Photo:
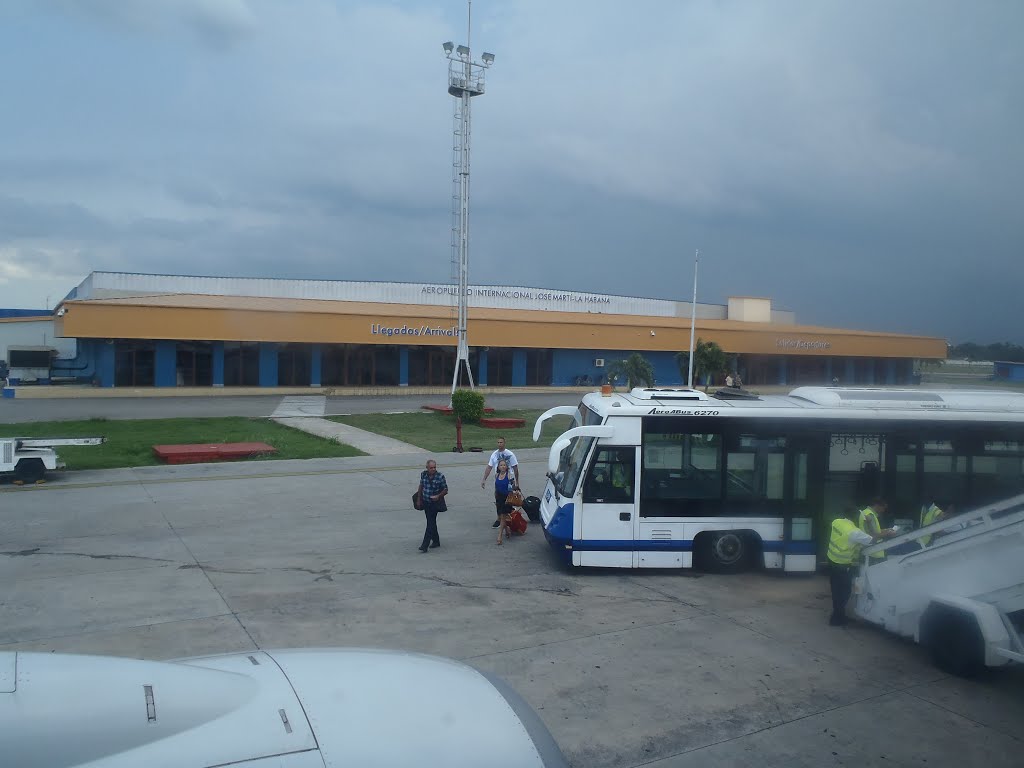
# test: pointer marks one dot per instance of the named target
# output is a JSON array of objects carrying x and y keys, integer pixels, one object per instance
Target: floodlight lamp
[
  {"x": 488, "y": 58},
  {"x": 449, "y": 47},
  {"x": 462, "y": 50}
]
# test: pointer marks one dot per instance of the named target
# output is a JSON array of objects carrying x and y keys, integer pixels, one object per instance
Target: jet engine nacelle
[{"x": 286, "y": 709}]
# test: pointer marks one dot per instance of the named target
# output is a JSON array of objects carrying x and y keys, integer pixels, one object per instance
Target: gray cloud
[
  {"x": 857, "y": 163},
  {"x": 216, "y": 22},
  {"x": 21, "y": 219}
]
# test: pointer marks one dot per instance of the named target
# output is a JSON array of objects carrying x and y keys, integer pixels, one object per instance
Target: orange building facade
[{"x": 153, "y": 330}]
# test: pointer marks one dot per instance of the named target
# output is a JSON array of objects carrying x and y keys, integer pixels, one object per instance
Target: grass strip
[{"x": 130, "y": 442}]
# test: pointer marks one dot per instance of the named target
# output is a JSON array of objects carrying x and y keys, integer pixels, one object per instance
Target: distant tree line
[{"x": 1003, "y": 350}]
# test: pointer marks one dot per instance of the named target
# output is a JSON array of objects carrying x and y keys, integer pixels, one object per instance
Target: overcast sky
[{"x": 860, "y": 163}]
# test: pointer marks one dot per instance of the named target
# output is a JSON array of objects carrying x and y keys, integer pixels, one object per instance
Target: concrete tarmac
[{"x": 627, "y": 668}]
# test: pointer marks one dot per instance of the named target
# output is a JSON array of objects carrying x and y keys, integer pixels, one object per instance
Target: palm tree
[
  {"x": 635, "y": 369},
  {"x": 709, "y": 360}
]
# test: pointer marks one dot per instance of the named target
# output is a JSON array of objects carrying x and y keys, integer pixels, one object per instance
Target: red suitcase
[{"x": 517, "y": 522}]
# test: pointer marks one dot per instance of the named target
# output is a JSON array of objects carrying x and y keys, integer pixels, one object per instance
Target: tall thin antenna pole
[
  {"x": 465, "y": 80},
  {"x": 693, "y": 318}
]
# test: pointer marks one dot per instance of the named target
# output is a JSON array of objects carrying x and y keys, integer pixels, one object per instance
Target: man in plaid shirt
[{"x": 433, "y": 489}]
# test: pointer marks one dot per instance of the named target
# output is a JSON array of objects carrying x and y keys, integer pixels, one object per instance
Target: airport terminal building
[{"x": 141, "y": 330}]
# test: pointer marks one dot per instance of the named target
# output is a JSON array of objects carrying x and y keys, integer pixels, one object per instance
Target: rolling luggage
[
  {"x": 531, "y": 505},
  {"x": 517, "y": 522}
]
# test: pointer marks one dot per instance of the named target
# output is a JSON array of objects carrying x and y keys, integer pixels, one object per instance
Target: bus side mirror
[{"x": 555, "y": 453}]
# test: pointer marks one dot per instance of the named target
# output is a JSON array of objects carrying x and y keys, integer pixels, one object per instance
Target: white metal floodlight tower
[{"x": 465, "y": 80}]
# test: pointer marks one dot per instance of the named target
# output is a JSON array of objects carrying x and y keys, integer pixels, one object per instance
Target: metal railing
[{"x": 989, "y": 517}]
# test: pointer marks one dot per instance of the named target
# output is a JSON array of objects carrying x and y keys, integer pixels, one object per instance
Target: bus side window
[
  {"x": 755, "y": 467},
  {"x": 610, "y": 477}
]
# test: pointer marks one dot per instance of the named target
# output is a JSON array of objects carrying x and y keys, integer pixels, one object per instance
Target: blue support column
[
  {"x": 166, "y": 364},
  {"x": 218, "y": 363},
  {"x": 268, "y": 364},
  {"x": 890, "y": 371},
  {"x": 315, "y": 364},
  {"x": 828, "y": 371},
  {"x": 519, "y": 368},
  {"x": 851, "y": 372},
  {"x": 481, "y": 373},
  {"x": 105, "y": 364},
  {"x": 783, "y": 369},
  {"x": 403, "y": 366}
]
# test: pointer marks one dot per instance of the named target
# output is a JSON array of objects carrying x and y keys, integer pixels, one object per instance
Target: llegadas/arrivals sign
[
  {"x": 802, "y": 344},
  {"x": 380, "y": 329}
]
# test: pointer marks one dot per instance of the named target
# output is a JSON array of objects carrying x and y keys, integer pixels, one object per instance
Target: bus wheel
[
  {"x": 953, "y": 640},
  {"x": 725, "y": 551},
  {"x": 29, "y": 470}
]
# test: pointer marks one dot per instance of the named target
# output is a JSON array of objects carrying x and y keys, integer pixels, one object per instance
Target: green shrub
[{"x": 468, "y": 405}]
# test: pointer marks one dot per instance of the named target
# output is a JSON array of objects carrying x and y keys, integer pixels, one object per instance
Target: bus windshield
[{"x": 570, "y": 463}]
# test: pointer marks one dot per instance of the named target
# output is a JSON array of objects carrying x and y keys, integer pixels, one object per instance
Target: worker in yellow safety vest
[
  {"x": 870, "y": 524},
  {"x": 934, "y": 513},
  {"x": 844, "y": 546}
]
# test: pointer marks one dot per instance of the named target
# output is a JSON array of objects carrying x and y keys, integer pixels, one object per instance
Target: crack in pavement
[
  {"x": 321, "y": 575},
  {"x": 818, "y": 655},
  {"x": 807, "y": 716},
  {"x": 667, "y": 595},
  {"x": 560, "y": 591},
  {"x": 770, "y": 694},
  {"x": 39, "y": 551},
  {"x": 210, "y": 568},
  {"x": 328, "y": 574},
  {"x": 953, "y": 712},
  {"x": 705, "y": 610}
]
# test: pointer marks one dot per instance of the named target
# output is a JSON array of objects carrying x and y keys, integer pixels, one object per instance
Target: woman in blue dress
[{"x": 504, "y": 483}]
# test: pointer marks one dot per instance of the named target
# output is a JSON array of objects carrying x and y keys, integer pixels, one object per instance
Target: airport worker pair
[{"x": 845, "y": 542}]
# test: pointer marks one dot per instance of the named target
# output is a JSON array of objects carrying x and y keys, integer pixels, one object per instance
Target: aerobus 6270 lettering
[{"x": 679, "y": 412}]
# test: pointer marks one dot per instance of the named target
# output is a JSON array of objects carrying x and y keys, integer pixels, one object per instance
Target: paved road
[
  {"x": 652, "y": 668},
  {"x": 14, "y": 411}
]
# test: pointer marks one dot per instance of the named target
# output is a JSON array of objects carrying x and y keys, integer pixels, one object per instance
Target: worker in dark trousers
[{"x": 844, "y": 546}]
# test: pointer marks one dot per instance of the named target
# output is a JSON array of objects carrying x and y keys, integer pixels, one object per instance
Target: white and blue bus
[{"x": 663, "y": 478}]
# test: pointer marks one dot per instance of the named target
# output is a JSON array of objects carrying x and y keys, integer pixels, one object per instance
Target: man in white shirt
[{"x": 513, "y": 469}]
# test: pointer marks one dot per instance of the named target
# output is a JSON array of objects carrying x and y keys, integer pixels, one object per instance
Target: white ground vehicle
[
  {"x": 29, "y": 365},
  {"x": 670, "y": 478},
  {"x": 286, "y": 709},
  {"x": 961, "y": 596},
  {"x": 29, "y": 457}
]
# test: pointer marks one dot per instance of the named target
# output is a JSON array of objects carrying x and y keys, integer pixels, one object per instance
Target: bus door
[
  {"x": 853, "y": 474},
  {"x": 805, "y": 495},
  {"x": 609, "y": 519}
]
